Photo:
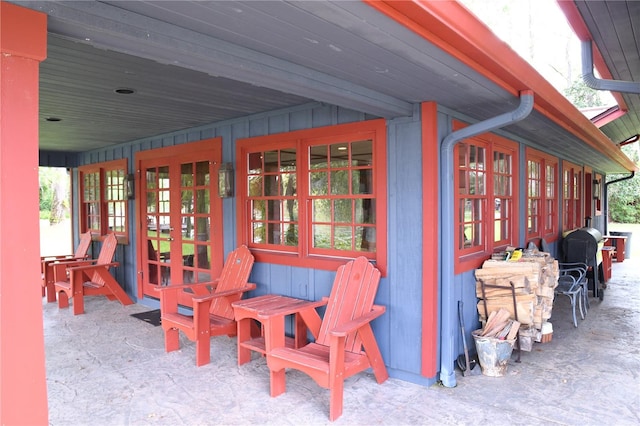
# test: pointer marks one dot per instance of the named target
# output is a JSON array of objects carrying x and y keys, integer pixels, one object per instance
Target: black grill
[{"x": 584, "y": 245}]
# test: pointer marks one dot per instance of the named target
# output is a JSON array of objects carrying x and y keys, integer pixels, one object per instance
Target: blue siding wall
[{"x": 399, "y": 331}]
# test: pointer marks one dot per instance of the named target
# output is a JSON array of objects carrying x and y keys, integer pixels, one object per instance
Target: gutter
[
  {"x": 599, "y": 84},
  {"x": 448, "y": 306}
]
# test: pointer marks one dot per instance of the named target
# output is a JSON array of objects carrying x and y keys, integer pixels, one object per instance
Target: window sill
[{"x": 329, "y": 263}]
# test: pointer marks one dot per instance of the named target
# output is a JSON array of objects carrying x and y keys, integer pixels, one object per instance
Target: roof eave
[{"x": 453, "y": 28}]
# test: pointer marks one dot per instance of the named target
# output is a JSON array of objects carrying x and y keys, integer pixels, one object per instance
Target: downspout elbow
[{"x": 600, "y": 84}]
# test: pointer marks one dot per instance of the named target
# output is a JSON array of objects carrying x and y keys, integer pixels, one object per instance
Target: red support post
[{"x": 23, "y": 388}]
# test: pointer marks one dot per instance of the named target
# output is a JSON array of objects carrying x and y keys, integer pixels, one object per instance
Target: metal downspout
[
  {"x": 606, "y": 197},
  {"x": 599, "y": 84},
  {"x": 449, "y": 326}
]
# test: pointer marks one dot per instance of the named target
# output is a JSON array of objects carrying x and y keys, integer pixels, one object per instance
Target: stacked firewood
[
  {"x": 500, "y": 326},
  {"x": 533, "y": 278}
]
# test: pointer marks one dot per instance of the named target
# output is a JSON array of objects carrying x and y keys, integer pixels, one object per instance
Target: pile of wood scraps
[{"x": 500, "y": 326}]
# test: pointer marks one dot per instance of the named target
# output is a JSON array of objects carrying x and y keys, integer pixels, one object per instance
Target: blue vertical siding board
[
  {"x": 278, "y": 124},
  {"x": 382, "y": 325},
  {"x": 299, "y": 120},
  {"x": 180, "y": 139},
  {"x": 194, "y": 136},
  {"x": 280, "y": 279},
  {"x": 300, "y": 282},
  {"x": 260, "y": 276},
  {"x": 348, "y": 116},
  {"x": 159, "y": 143},
  {"x": 322, "y": 116},
  {"x": 404, "y": 306},
  {"x": 228, "y": 144},
  {"x": 240, "y": 130},
  {"x": 322, "y": 283},
  {"x": 208, "y": 133},
  {"x": 258, "y": 127}
]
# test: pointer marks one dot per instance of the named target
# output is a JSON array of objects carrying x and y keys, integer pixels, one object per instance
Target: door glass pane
[
  {"x": 188, "y": 261},
  {"x": 339, "y": 155},
  {"x": 202, "y": 173},
  {"x": 318, "y": 157},
  {"x": 362, "y": 153},
  {"x": 186, "y": 174},
  {"x": 202, "y": 201},
  {"x": 203, "y": 229}
]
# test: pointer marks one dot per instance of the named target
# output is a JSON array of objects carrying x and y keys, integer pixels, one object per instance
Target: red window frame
[
  {"x": 277, "y": 199},
  {"x": 542, "y": 195},
  {"x": 571, "y": 196},
  {"x": 491, "y": 208},
  {"x": 104, "y": 207}
]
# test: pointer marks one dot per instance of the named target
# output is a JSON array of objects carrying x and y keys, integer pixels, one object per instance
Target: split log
[{"x": 525, "y": 306}]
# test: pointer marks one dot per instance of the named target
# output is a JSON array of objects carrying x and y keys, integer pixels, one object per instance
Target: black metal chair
[
  {"x": 579, "y": 271},
  {"x": 569, "y": 286}
]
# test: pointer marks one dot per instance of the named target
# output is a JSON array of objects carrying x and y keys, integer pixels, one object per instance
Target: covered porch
[{"x": 107, "y": 367}]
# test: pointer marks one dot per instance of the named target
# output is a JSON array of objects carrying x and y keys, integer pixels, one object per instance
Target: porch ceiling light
[{"x": 125, "y": 91}]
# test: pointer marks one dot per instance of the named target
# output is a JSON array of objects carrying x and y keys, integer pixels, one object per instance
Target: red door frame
[{"x": 207, "y": 147}]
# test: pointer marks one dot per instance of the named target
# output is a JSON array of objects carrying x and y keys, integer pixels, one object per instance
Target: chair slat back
[
  {"x": 353, "y": 293},
  {"x": 107, "y": 251},
  {"x": 235, "y": 274},
  {"x": 83, "y": 245}
]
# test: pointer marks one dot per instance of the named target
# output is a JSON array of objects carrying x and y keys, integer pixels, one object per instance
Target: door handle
[{"x": 170, "y": 239}]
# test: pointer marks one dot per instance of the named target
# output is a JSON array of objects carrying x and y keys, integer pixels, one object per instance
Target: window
[
  {"x": 485, "y": 199},
  {"x": 571, "y": 196},
  {"x": 103, "y": 200},
  {"x": 542, "y": 210},
  {"x": 315, "y": 197},
  {"x": 472, "y": 175}
]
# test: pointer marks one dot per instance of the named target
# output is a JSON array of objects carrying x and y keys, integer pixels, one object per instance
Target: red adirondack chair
[
  {"x": 80, "y": 278},
  {"x": 345, "y": 344},
  {"x": 212, "y": 311},
  {"x": 47, "y": 262}
]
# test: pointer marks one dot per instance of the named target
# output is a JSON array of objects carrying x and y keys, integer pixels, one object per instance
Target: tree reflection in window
[
  {"x": 272, "y": 190},
  {"x": 340, "y": 190}
]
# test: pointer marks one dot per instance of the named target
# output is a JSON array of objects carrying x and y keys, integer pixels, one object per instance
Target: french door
[{"x": 180, "y": 216}]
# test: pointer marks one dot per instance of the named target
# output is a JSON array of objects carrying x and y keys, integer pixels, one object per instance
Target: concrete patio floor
[{"x": 108, "y": 368}]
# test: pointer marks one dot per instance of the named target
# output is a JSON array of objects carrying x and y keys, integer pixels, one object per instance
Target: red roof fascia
[{"x": 454, "y": 29}]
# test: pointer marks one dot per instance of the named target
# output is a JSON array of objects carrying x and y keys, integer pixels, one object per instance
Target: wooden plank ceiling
[{"x": 197, "y": 62}]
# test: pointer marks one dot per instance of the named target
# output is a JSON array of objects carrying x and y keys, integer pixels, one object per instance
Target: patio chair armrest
[
  {"x": 244, "y": 289},
  {"x": 57, "y": 257},
  {"x": 176, "y": 287},
  {"x": 349, "y": 327},
  {"x": 575, "y": 284},
  {"x": 79, "y": 262},
  {"x": 94, "y": 266}
]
